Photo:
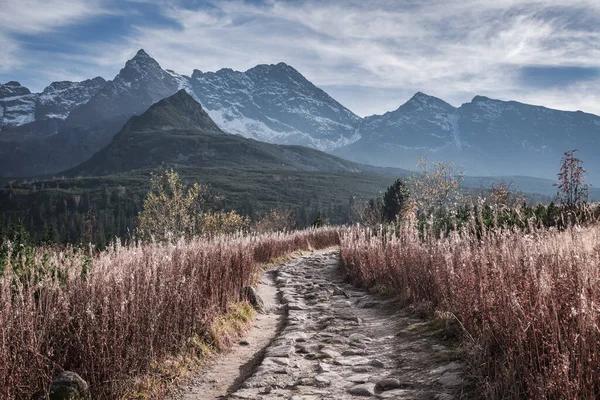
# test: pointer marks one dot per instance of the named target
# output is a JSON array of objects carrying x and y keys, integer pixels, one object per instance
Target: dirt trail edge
[
  {"x": 226, "y": 372},
  {"x": 343, "y": 343}
]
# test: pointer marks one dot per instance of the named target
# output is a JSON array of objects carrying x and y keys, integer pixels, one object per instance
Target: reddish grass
[
  {"x": 528, "y": 302},
  {"x": 111, "y": 318}
]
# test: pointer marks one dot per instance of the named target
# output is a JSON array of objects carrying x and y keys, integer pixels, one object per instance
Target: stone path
[{"x": 342, "y": 343}]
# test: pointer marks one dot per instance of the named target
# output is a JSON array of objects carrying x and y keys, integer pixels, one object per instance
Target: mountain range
[
  {"x": 177, "y": 131},
  {"x": 66, "y": 124}
]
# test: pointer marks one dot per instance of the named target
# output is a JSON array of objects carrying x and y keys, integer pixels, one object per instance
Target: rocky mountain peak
[
  {"x": 142, "y": 66},
  {"x": 421, "y": 101},
  {"x": 179, "y": 111},
  {"x": 13, "y": 88}
]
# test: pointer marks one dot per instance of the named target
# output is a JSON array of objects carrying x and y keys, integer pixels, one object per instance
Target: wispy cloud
[
  {"x": 372, "y": 56},
  {"x": 21, "y": 21}
]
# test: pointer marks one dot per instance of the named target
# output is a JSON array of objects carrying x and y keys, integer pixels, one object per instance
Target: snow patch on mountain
[{"x": 276, "y": 104}]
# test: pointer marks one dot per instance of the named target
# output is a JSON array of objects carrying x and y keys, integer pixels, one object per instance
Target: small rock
[
  {"x": 338, "y": 291},
  {"x": 453, "y": 366},
  {"x": 366, "y": 389},
  {"x": 397, "y": 394},
  {"x": 296, "y": 307},
  {"x": 377, "y": 363},
  {"x": 249, "y": 293},
  {"x": 451, "y": 379},
  {"x": 280, "y": 351},
  {"x": 360, "y": 378},
  {"x": 325, "y": 378},
  {"x": 388, "y": 384},
  {"x": 267, "y": 390},
  {"x": 69, "y": 386},
  {"x": 329, "y": 353},
  {"x": 341, "y": 304},
  {"x": 359, "y": 337},
  {"x": 354, "y": 352},
  {"x": 307, "y": 348},
  {"x": 351, "y": 361},
  {"x": 323, "y": 367}
]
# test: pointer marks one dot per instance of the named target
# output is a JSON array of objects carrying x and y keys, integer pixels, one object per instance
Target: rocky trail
[{"x": 335, "y": 342}]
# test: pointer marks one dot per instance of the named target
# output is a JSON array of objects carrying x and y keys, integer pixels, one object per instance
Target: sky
[{"x": 371, "y": 56}]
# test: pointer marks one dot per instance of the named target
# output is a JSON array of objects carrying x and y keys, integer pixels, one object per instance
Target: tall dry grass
[
  {"x": 528, "y": 302},
  {"x": 110, "y": 317}
]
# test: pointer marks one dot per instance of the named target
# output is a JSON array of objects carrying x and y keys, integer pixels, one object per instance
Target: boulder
[
  {"x": 69, "y": 386},
  {"x": 249, "y": 294}
]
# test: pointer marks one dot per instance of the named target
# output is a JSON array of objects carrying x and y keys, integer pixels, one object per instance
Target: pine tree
[{"x": 394, "y": 200}]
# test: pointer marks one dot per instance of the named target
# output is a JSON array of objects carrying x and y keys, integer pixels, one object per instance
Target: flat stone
[
  {"x": 329, "y": 353},
  {"x": 351, "y": 361},
  {"x": 388, "y": 384},
  {"x": 276, "y": 361},
  {"x": 451, "y": 379},
  {"x": 338, "y": 340},
  {"x": 365, "y": 389},
  {"x": 325, "y": 378},
  {"x": 280, "y": 351},
  {"x": 359, "y": 337},
  {"x": 341, "y": 304},
  {"x": 354, "y": 352},
  {"x": 359, "y": 378},
  {"x": 307, "y": 348},
  {"x": 323, "y": 367},
  {"x": 397, "y": 394},
  {"x": 453, "y": 366},
  {"x": 377, "y": 363}
]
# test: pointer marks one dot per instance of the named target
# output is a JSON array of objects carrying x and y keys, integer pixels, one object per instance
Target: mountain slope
[
  {"x": 89, "y": 127},
  {"x": 276, "y": 104},
  {"x": 19, "y": 107},
  {"x": 60, "y": 98},
  {"x": 177, "y": 131}
]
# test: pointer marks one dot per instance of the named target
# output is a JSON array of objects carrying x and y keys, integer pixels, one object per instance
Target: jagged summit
[
  {"x": 479, "y": 98},
  {"x": 141, "y": 63},
  {"x": 142, "y": 53},
  {"x": 12, "y": 83},
  {"x": 425, "y": 99},
  {"x": 274, "y": 103}
]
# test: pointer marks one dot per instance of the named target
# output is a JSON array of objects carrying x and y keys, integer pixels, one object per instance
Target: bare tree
[{"x": 572, "y": 189}]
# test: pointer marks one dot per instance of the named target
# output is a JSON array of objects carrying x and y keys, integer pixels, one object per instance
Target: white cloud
[
  {"x": 34, "y": 17},
  {"x": 391, "y": 49}
]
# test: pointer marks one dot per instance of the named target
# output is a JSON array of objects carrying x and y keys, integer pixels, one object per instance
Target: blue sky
[{"x": 370, "y": 55}]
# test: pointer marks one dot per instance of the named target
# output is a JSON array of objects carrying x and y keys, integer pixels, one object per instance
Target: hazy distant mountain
[
  {"x": 487, "y": 137},
  {"x": 177, "y": 131}
]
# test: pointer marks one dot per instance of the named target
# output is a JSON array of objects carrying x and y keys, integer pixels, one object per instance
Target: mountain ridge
[
  {"x": 277, "y": 104},
  {"x": 178, "y": 131}
]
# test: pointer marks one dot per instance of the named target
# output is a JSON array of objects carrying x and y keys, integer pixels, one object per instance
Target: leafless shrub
[
  {"x": 528, "y": 300},
  {"x": 110, "y": 317}
]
